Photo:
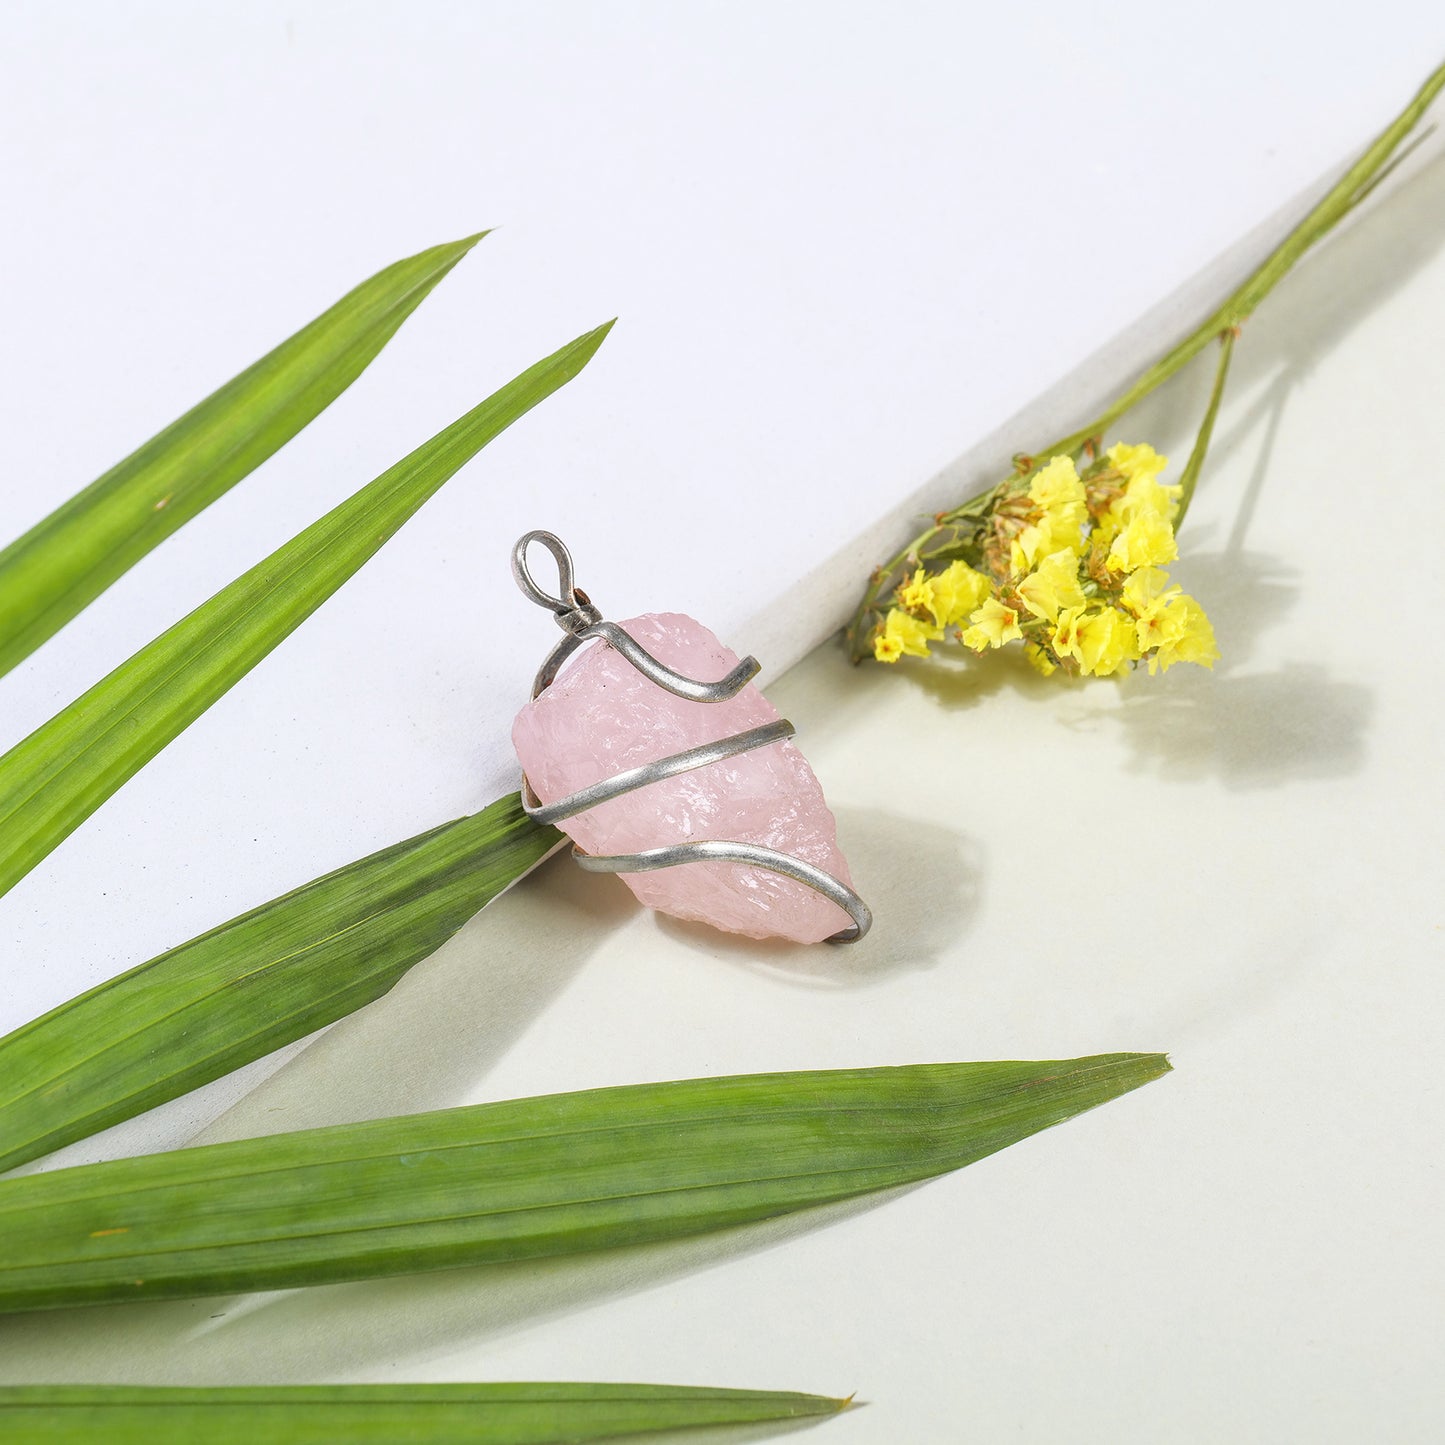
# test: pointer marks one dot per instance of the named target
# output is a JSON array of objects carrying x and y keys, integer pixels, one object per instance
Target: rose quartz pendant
[{"x": 691, "y": 790}]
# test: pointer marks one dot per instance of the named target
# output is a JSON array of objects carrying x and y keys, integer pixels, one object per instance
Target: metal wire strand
[
  {"x": 653, "y": 772},
  {"x": 754, "y": 853},
  {"x": 582, "y": 622}
]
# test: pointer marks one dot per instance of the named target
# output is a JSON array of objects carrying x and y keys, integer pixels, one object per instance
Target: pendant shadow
[{"x": 890, "y": 857}]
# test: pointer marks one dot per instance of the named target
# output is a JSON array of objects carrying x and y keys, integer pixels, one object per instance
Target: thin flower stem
[
  {"x": 1352, "y": 188},
  {"x": 1206, "y": 427}
]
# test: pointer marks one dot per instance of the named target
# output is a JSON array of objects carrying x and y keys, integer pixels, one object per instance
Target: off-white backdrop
[{"x": 846, "y": 244}]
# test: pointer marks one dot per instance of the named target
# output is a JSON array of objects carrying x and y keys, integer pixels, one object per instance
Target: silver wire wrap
[
  {"x": 655, "y": 772},
  {"x": 582, "y": 622}
]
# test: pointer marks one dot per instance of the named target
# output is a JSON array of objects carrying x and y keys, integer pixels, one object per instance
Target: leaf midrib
[
  {"x": 533, "y": 1136},
  {"x": 542, "y": 1207}
]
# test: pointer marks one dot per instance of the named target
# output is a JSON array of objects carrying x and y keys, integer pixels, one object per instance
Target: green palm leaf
[
  {"x": 67, "y": 560},
  {"x": 531, "y": 1414},
  {"x": 556, "y": 1175},
  {"x": 253, "y": 984},
  {"x": 54, "y": 779}
]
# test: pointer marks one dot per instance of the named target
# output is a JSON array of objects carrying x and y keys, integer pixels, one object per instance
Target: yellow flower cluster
[{"x": 1073, "y": 566}]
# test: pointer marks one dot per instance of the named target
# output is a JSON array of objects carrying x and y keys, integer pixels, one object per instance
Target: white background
[{"x": 846, "y": 243}]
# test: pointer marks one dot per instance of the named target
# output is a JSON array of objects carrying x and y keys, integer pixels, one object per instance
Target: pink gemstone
[{"x": 601, "y": 717}]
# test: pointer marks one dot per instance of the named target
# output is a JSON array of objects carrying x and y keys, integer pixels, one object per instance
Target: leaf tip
[
  {"x": 825, "y": 1404},
  {"x": 589, "y": 341},
  {"x": 1136, "y": 1070},
  {"x": 445, "y": 256}
]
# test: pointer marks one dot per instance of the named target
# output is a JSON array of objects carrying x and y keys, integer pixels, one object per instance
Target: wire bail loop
[{"x": 573, "y": 609}]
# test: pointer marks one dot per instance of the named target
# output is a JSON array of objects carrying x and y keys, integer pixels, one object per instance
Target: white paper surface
[
  {"x": 845, "y": 243},
  {"x": 845, "y": 246}
]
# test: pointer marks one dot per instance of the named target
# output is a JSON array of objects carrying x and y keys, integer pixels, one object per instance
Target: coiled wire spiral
[{"x": 582, "y": 622}]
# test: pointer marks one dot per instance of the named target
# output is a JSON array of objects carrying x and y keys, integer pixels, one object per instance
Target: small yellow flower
[
  {"x": 948, "y": 597},
  {"x": 1190, "y": 637},
  {"x": 958, "y": 592},
  {"x": 1062, "y": 528},
  {"x": 1060, "y": 498},
  {"x": 1149, "y": 496},
  {"x": 1053, "y": 586},
  {"x": 1107, "y": 641},
  {"x": 1057, "y": 518},
  {"x": 1136, "y": 462},
  {"x": 1143, "y": 494},
  {"x": 1065, "y": 638},
  {"x": 1057, "y": 485},
  {"x": 917, "y": 595},
  {"x": 1146, "y": 541},
  {"x": 1159, "y": 624},
  {"x": 993, "y": 624},
  {"x": 1146, "y": 587},
  {"x": 1054, "y": 532},
  {"x": 1024, "y": 551},
  {"x": 904, "y": 634}
]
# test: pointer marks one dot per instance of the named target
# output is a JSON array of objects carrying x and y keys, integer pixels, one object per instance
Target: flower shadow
[
  {"x": 1249, "y": 729},
  {"x": 1255, "y": 730},
  {"x": 1297, "y": 722},
  {"x": 958, "y": 681}
]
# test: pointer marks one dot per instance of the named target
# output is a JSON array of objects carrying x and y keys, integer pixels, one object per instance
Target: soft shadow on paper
[
  {"x": 1248, "y": 728},
  {"x": 741, "y": 1434},
  {"x": 958, "y": 681},
  {"x": 349, "y": 1331}
]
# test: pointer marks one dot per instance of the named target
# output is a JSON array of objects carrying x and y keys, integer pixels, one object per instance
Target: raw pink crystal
[{"x": 601, "y": 717}]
